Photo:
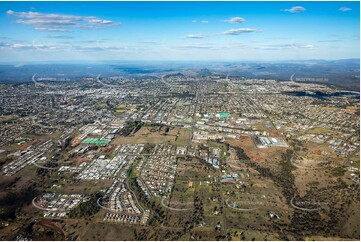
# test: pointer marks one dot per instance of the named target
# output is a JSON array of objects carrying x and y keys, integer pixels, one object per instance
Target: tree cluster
[{"x": 86, "y": 209}]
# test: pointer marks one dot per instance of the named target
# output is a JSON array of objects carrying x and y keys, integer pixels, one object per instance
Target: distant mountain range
[{"x": 344, "y": 73}]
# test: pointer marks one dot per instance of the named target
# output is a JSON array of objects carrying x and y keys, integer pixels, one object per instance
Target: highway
[
  {"x": 166, "y": 83},
  {"x": 104, "y": 84},
  {"x": 193, "y": 123},
  {"x": 291, "y": 77},
  {"x": 41, "y": 84}
]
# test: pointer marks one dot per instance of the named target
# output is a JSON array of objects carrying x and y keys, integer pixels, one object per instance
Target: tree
[{"x": 86, "y": 209}]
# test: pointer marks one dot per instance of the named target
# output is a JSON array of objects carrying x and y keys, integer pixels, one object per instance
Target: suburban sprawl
[{"x": 179, "y": 157}]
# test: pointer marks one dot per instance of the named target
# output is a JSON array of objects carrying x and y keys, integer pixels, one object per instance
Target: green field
[
  {"x": 224, "y": 115},
  {"x": 95, "y": 141},
  {"x": 185, "y": 120},
  {"x": 183, "y": 137},
  {"x": 319, "y": 130},
  {"x": 120, "y": 111}
]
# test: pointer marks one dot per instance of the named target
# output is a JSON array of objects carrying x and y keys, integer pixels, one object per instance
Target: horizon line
[{"x": 104, "y": 61}]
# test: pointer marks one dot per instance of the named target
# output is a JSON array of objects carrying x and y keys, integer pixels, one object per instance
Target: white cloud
[
  {"x": 90, "y": 48},
  {"x": 59, "y": 22},
  {"x": 345, "y": 9},
  {"x": 34, "y": 46},
  {"x": 4, "y": 45},
  {"x": 235, "y": 20},
  {"x": 356, "y": 37},
  {"x": 195, "y": 46},
  {"x": 286, "y": 46},
  {"x": 51, "y": 30},
  {"x": 329, "y": 41},
  {"x": 296, "y": 9},
  {"x": 308, "y": 46},
  {"x": 92, "y": 41},
  {"x": 68, "y": 46},
  {"x": 59, "y": 37},
  {"x": 200, "y": 21},
  {"x": 275, "y": 47},
  {"x": 241, "y": 31},
  {"x": 195, "y": 36}
]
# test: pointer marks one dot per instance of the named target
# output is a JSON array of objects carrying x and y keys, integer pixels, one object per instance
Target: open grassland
[
  {"x": 319, "y": 130},
  {"x": 156, "y": 135},
  {"x": 7, "y": 118},
  {"x": 182, "y": 139},
  {"x": 84, "y": 187},
  {"x": 150, "y": 135},
  {"x": 196, "y": 193}
]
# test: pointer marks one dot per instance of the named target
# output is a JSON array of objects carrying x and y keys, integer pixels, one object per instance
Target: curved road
[
  {"x": 240, "y": 209},
  {"x": 303, "y": 167},
  {"x": 45, "y": 209},
  {"x": 166, "y": 83},
  {"x": 104, "y": 84},
  {"x": 41, "y": 84},
  {"x": 98, "y": 202},
  {"x": 174, "y": 209},
  {"x": 303, "y": 209},
  {"x": 40, "y": 125},
  {"x": 114, "y": 211},
  {"x": 44, "y": 167},
  {"x": 136, "y": 199},
  {"x": 291, "y": 77}
]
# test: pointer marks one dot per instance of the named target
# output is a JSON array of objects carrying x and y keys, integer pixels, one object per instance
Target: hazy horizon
[{"x": 100, "y": 62}]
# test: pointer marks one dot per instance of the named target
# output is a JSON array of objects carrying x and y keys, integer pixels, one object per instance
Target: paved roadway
[
  {"x": 291, "y": 77},
  {"x": 45, "y": 209},
  {"x": 41, "y": 84},
  {"x": 193, "y": 123},
  {"x": 104, "y": 84}
]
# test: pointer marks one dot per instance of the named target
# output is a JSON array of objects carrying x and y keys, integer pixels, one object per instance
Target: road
[
  {"x": 193, "y": 123},
  {"x": 100, "y": 205},
  {"x": 306, "y": 168},
  {"x": 166, "y": 83},
  {"x": 45, "y": 209},
  {"x": 44, "y": 167},
  {"x": 41, "y": 84},
  {"x": 104, "y": 84},
  {"x": 303, "y": 209},
  {"x": 224, "y": 226},
  {"x": 136, "y": 199},
  {"x": 291, "y": 77},
  {"x": 174, "y": 209},
  {"x": 240, "y": 209},
  {"x": 229, "y": 82}
]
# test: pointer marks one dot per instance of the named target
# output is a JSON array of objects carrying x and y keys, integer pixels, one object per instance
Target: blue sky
[{"x": 98, "y": 31}]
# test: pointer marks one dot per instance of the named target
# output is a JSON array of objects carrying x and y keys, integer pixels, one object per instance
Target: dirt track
[{"x": 47, "y": 223}]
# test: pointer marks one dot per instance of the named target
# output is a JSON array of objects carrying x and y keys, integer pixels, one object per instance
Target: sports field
[
  {"x": 224, "y": 115},
  {"x": 95, "y": 141}
]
